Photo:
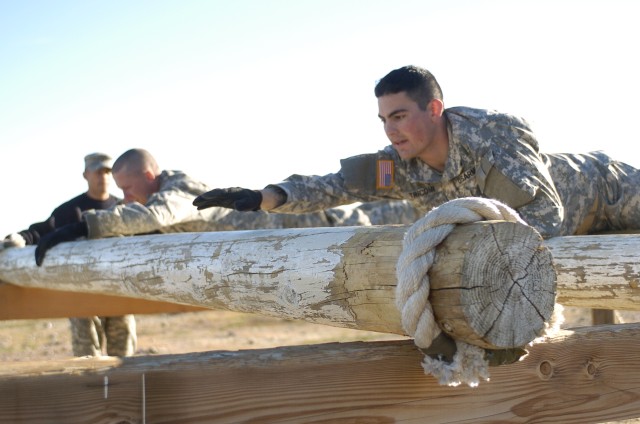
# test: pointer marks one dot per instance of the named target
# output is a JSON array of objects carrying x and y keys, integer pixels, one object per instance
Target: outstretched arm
[
  {"x": 355, "y": 182},
  {"x": 241, "y": 199}
]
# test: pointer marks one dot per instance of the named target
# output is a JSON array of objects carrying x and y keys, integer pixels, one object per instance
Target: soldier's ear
[
  {"x": 149, "y": 175},
  {"x": 436, "y": 107}
]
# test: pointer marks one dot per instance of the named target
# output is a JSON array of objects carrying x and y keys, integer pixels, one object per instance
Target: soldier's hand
[
  {"x": 240, "y": 199},
  {"x": 66, "y": 233},
  {"x": 13, "y": 240}
]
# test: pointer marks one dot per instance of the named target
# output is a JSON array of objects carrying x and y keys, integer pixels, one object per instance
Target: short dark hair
[
  {"x": 135, "y": 160},
  {"x": 419, "y": 84}
]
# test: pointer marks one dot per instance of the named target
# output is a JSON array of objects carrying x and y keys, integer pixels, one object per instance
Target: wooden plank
[
  {"x": 585, "y": 375},
  {"x": 34, "y": 303}
]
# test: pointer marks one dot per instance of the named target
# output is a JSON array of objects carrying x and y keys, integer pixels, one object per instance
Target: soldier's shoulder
[
  {"x": 175, "y": 179},
  {"x": 484, "y": 116}
]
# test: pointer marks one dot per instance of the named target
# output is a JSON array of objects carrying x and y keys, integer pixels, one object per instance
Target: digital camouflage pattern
[
  {"x": 170, "y": 210},
  {"x": 599, "y": 193},
  {"x": 95, "y": 336},
  {"x": 491, "y": 155}
]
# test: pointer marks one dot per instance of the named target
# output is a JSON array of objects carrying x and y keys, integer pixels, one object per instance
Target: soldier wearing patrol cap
[
  {"x": 439, "y": 154},
  {"x": 90, "y": 336}
]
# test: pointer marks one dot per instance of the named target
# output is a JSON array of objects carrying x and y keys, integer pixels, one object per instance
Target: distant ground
[{"x": 29, "y": 340}]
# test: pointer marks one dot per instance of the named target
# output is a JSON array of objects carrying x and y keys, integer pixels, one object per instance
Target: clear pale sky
[{"x": 245, "y": 93}]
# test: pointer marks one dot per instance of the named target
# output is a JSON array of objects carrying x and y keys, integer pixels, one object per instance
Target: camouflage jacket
[
  {"x": 170, "y": 210},
  {"x": 491, "y": 155}
]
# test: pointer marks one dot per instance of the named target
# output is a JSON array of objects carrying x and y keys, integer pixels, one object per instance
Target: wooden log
[
  {"x": 493, "y": 285},
  {"x": 594, "y": 271},
  {"x": 34, "y": 303},
  {"x": 580, "y": 376},
  {"x": 598, "y": 271},
  {"x": 496, "y": 289},
  {"x": 291, "y": 273}
]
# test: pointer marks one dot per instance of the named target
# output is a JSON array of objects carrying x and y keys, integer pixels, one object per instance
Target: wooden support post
[{"x": 582, "y": 376}]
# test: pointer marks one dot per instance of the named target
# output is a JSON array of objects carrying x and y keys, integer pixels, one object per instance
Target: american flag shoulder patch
[{"x": 384, "y": 174}]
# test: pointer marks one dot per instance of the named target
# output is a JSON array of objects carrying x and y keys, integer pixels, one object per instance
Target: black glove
[
  {"x": 240, "y": 199},
  {"x": 35, "y": 231},
  {"x": 66, "y": 233}
]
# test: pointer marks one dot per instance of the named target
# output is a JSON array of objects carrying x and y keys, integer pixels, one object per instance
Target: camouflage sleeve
[
  {"x": 514, "y": 172},
  {"x": 170, "y": 206},
  {"x": 384, "y": 212},
  {"x": 162, "y": 211},
  {"x": 362, "y": 178},
  {"x": 355, "y": 214},
  {"x": 222, "y": 219}
]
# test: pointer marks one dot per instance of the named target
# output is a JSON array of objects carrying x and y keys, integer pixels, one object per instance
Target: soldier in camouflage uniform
[
  {"x": 161, "y": 202},
  {"x": 91, "y": 335},
  {"x": 117, "y": 334},
  {"x": 439, "y": 154}
]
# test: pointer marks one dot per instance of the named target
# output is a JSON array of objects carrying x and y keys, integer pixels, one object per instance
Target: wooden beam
[
  {"x": 579, "y": 376},
  {"x": 35, "y": 303},
  {"x": 598, "y": 271},
  {"x": 337, "y": 276}
]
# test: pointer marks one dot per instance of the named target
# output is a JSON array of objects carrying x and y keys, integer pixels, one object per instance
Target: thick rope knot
[{"x": 412, "y": 292}]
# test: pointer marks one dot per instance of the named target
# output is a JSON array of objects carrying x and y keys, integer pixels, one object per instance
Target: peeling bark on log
[
  {"x": 599, "y": 271},
  {"x": 336, "y": 276},
  {"x": 496, "y": 291},
  {"x": 581, "y": 376}
]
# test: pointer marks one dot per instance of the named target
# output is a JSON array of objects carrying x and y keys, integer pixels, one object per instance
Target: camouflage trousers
[{"x": 94, "y": 335}]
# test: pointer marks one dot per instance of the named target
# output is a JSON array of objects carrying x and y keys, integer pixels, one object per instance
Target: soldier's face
[
  {"x": 98, "y": 180},
  {"x": 136, "y": 187},
  {"x": 410, "y": 129}
]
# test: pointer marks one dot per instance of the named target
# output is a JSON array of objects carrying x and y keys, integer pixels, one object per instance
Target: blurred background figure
[{"x": 92, "y": 335}]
